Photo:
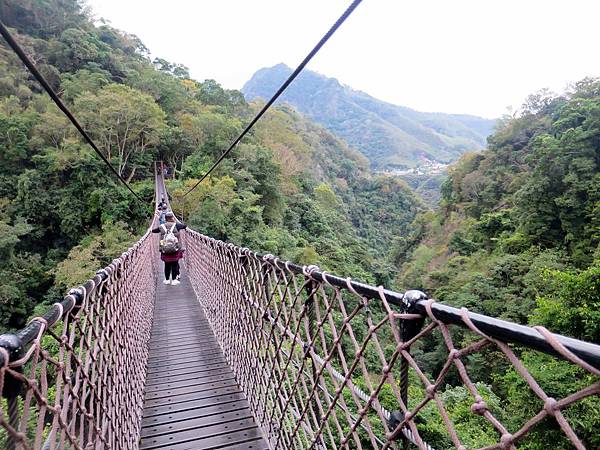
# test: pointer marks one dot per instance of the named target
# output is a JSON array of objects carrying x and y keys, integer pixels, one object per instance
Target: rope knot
[
  {"x": 506, "y": 440},
  {"x": 551, "y": 406},
  {"x": 266, "y": 257},
  {"x": 103, "y": 274},
  {"x": 479, "y": 407},
  {"x": 430, "y": 391},
  {"x": 454, "y": 354},
  {"x": 308, "y": 270}
]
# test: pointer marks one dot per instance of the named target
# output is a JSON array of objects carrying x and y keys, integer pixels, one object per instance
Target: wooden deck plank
[
  {"x": 186, "y": 369},
  {"x": 222, "y": 435},
  {"x": 188, "y": 373},
  {"x": 172, "y": 386},
  {"x": 192, "y": 398},
  {"x": 153, "y": 412}
]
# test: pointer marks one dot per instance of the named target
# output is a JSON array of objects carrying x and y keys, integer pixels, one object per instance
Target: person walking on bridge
[
  {"x": 162, "y": 212},
  {"x": 171, "y": 250}
]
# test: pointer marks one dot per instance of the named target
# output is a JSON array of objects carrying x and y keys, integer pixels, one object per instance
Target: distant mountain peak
[{"x": 391, "y": 136}]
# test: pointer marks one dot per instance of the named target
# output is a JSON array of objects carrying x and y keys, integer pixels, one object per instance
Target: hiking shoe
[
  {"x": 175, "y": 282},
  {"x": 167, "y": 281}
]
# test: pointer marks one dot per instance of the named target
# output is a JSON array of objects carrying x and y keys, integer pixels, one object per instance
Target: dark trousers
[{"x": 171, "y": 270}]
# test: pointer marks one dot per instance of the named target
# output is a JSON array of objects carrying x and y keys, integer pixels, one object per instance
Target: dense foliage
[
  {"x": 426, "y": 186},
  {"x": 517, "y": 236}
]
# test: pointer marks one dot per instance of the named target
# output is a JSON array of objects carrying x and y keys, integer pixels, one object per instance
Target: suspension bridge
[
  {"x": 253, "y": 352},
  {"x": 249, "y": 352}
]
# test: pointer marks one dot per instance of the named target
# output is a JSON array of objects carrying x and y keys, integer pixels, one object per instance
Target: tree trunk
[{"x": 131, "y": 174}]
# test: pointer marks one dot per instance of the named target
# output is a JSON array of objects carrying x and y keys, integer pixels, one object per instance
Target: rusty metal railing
[{"x": 325, "y": 362}]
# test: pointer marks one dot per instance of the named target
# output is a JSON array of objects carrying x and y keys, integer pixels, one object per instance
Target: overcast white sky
[{"x": 456, "y": 56}]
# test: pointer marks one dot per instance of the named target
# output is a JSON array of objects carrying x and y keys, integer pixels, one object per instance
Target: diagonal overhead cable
[
  {"x": 283, "y": 87},
  {"x": 35, "y": 72}
]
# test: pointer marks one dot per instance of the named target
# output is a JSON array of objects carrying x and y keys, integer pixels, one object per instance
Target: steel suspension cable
[
  {"x": 283, "y": 87},
  {"x": 40, "y": 78}
]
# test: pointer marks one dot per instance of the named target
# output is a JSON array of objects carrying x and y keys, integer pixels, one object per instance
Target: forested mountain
[
  {"x": 517, "y": 236},
  {"x": 291, "y": 188},
  {"x": 390, "y": 136},
  {"x": 531, "y": 200}
]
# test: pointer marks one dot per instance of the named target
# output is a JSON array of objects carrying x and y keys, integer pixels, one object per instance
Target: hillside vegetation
[
  {"x": 390, "y": 136},
  {"x": 517, "y": 236},
  {"x": 291, "y": 188}
]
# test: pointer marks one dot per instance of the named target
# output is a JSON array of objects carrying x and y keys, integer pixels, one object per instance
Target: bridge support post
[{"x": 408, "y": 330}]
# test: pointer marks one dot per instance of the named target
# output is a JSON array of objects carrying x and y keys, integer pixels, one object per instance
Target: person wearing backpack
[
  {"x": 171, "y": 250},
  {"x": 162, "y": 213}
]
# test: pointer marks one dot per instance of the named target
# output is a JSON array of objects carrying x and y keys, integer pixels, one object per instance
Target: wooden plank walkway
[{"x": 192, "y": 399}]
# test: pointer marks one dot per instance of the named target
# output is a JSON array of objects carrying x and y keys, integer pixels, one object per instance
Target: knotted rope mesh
[
  {"x": 75, "y": 377},
  {"x": 325, "y": 366}
]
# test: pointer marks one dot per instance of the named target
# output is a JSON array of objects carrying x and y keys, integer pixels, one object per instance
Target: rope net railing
[
  {"x": 74, "y": 378},
  {"x": 328, "y": 363}
]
